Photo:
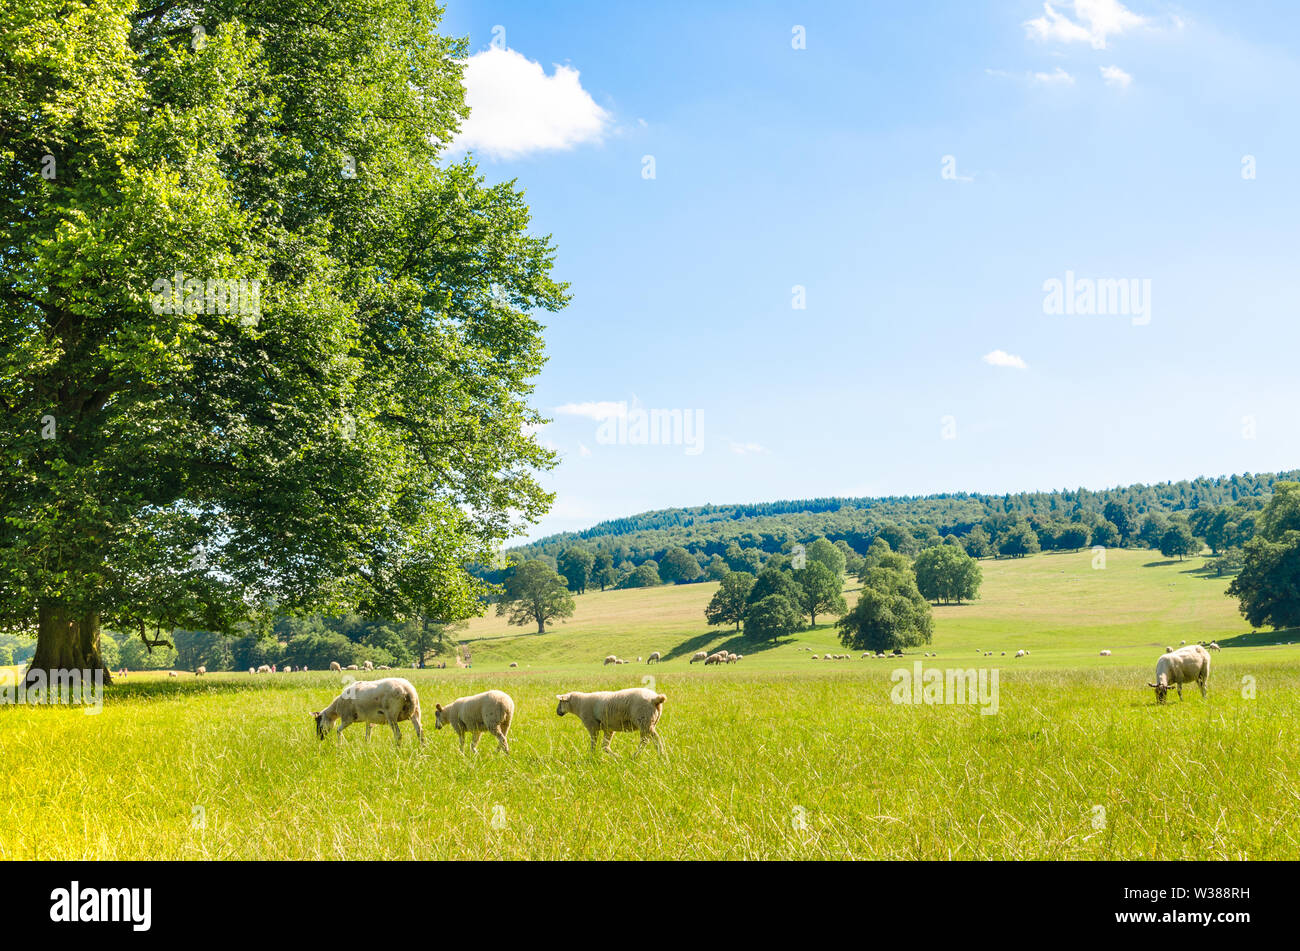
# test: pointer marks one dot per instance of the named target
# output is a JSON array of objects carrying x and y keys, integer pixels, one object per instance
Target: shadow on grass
[
  {"x": 737, "y": 643},
  {"x": 1261, "y": 638}
]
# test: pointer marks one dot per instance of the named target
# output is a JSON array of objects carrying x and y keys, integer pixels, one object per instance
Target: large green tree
[
  {"x": 576, "y": 564},
  {"x": 728, "y": 604},
  {"x": 262, "y": 349},
  {"x": 1268, "y": 586},
  {"x": 535, "y": 592},
  {"x": 822, "y": 592},
  {"x": 890, "y": 613},
  {"x": 947, "y": 573}
]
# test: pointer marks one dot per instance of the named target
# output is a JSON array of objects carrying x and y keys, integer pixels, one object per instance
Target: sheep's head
[
  {"x": 322, "y": 725},
  {"x": 563, "y": 706},
  {"x": 1161, "y": 690},
  {"x": 439, "y": 716}
]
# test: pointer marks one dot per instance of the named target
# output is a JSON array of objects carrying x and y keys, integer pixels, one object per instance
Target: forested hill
[{"x": 771, "y": 526}]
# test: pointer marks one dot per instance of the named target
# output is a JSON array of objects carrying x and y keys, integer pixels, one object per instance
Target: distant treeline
[{"x": 1172, "y": 516}]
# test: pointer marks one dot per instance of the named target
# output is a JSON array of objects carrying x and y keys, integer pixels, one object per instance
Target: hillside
[{"x": 1056, "y": 604}]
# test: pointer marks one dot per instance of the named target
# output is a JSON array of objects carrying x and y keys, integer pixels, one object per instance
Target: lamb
[
  {"x": 700, "y": 655},
  {"x": 731, "y": 658},
  {"x": 390, "y": 701},
  {"x": 1105, "y": 653},
  {"x": 252, "y": 670},
  {"x": 1169, "y": 650},
  {"x": 1183, "y": 666},
  {"x": 489, "y": 712},
  {"x": 334, "y": 665},
  {"x": 611, "y": 659},
  {"x": 200, "y": 671},
  {"x": 635, "y": 708},
  {"x": 652, "y": 659}
]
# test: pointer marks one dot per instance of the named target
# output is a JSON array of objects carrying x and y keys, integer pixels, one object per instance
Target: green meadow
[{"x": 777, "y": 756}]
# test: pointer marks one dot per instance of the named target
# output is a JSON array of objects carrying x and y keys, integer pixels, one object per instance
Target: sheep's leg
[
  {"x": 595, "y": 733},
  {"x": 397, "y": 730},
  {"x": 1201, "y": 682},
  {"x": 419, "y": 730},
  {"x": 502, "y": 742},
  {"x": 368, "y": 726},
  {"x": 659, "y": 743},
  {"x": 640, "y": 746},
  {"x": 473, "y": 747},
  {"x": 461, "y": 734},
  {"x": 609, "y": 735},
  {"x": 1180, "y": 691}
]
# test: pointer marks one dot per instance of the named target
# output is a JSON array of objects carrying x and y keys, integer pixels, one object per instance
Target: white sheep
[
  {"x": 731, "y": 658},
  {"x": 739, "y": 658},
  {"x": 514, "y": 664},
  {"x": 334, "y": 665},
  {"x": 200, "y": 671},
  {"x": 172, "y": 673},
  {"x": 370, "y": 665},
  {"x": 1105, "y": 653},
  {"x": 700, "y": 655},
  {"x": 1184, "y": 666},
  {"x": 1214, "y": 646},
  {"x": 653, "y": 658},
  {"x": 489, "y": 712},
  {"x": 252, "y": 670},
  {"x": 264, "y": 669},
  {"x": 1021, "y": 652},
  {"x": 635, "y": 708},
  {"x": 351, "y": 667},
  {"x": 826, "y": 657},
  {"x": 390, "y": 701},
  {"x": 611, "y": 659},
  {"x": 1169, "y": 650},
  {"x": 714, "y": 659}
]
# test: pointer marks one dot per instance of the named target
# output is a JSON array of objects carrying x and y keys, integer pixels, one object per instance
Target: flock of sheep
[{"x": 395, "y": 699}]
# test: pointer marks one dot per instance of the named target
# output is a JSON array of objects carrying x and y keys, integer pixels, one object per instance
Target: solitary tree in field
[
  {"x": 261, "y": 350},
  {"x": 1179, "y": 541},
  {"x": 730, "y": 600},
  {"x": 890, "y": 613},
  {"x": 822, "y": 592},
  {"x": 535, "y": 593},
  {"x": 947, "y": 573}
]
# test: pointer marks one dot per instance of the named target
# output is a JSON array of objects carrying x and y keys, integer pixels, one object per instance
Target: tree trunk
[
  {"x": 541, "y": 625},
  {"x": 65, "y": 642}
]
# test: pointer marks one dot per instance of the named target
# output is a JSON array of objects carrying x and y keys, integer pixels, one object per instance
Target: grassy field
[{"x": 776, "y": 757}]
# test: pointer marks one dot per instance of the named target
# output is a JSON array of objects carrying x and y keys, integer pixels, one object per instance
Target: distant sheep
[
  {"x": 264, "y": 669},
  {"x": 514, "y": 664},
  {"x": 611, "y": 659},
  {"x": 489, "y": 712},
  {"x": 1184, "y": 666},
  {"x": 1020, "y": 653},
  {"x": 288, "y": 668},
  {"x": 714, "y": 659},
  {"x": 700, "y": 655},
  {"x": 334, "y": 665},
  {"x": 731, "y": 658},
  {"x": 200, "y": 671},
  {"x": 1169, "y": 650},
  {"x": 390, "y": 701},
  {"x": 652, "y": 659},
  {"x": 622, "y": 711},
  {"x": 739, "y": 658},
  {"x": 369, "y": 665},
  {"x": 252, "y": 670},
  {"x": 1214, "y": 646},
  {"x": 352, "y": 667},
  {"x": 1105, "y": 653},
  {"x": 826, "y": 657},
  {"x": 172, "y": 673}
]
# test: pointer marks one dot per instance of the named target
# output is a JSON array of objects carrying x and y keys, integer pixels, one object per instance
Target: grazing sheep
[
  {"x": 1021, "y": 652},
  {"x": 1105, "y": 653},
  {"x": 1183, "y": 666},
  {"x": 288, "y": 668},
  {"x": 714, "y": 659},
  {"x": 172, "y": 673},
  {"x": 1214, "y": 646},
  {"x": 700, "y": 655},
  {"x": 334, "y": 665},
  {"x": 611, "y": 659},
  {"x": 635, "y": 708},
  {"x": 370, "y": 665},
  {"x": 815, "y": 657},
  {"x": 652, "y": 659},
  {"x": 826, "y": 656},
  {"x": 390, "y": 701},
  {"x": 514, "y": 664},
  {"x": 264, "y": 669},
  {"x": 731, "y": 658},
  {"x": 739, "y": 658},
  {"x": 200, "y": 671},
  {"x": 352, "y": 667},
  {"x": 252, "y": 670},
  {"x": 1182, "y": 643},
  {"x": 489, "y": 712},
  {"x": 1169, "y": 650}
]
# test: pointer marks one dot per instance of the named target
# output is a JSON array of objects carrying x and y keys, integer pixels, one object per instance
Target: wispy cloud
[
  {"x": 1057, "y": 77},
  {"x": 1095, "y": 21},
  {"x": 593, "y": 410},
  {"x": 517, "y": 109},
  {"x": 1000, "y": 358},
  {"x": 1115, "y": 76}
]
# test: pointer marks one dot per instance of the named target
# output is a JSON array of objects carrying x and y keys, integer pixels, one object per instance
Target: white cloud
[
  {"x": 1057, "y": 77},
  {"x": 593, "y": 410},
  {"x": 1097, "y": 19},
  {"x": 516, "y": 109},
  {"x": 1000, "y": 358},
  {"x": 1115, "y": 76}
]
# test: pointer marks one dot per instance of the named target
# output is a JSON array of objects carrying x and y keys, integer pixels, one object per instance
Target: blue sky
[{"x": 1113, "y": 141}]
